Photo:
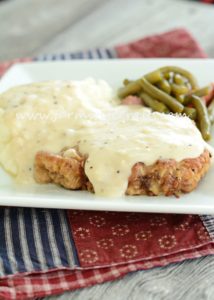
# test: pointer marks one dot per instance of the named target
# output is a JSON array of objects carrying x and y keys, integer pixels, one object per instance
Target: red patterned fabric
[
  {"x": 106, "y": 238},
  {"x": 175, "y": 43},
  {"x": 4, "y": 66},
  {"x": 110, "y": 245},
  {"x": 208, "y": 1}
]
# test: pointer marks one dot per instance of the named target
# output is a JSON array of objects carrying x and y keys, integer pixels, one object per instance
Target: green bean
[
  {"x": 197, "y": 92},
  {"x": 134, "y": 87},
  {"x": 179, "y": 89},
  {"x": 188, "y": 85},
  {"x": 154, "y": 76},
  {"x": 126, "y": 81},
  {"x": 182, "y": 72},
  {"x": 164, "y": 86},
  {"x": 153, "y": 103},
  {"x": 211, "y": 111},
  {"x": 187, "y": 99},
  {"x": 131, "y": 88},
  {"x": 202, "y": 117},
  {"x": 168, "y": 100},
  {"x": 180, "y": 98},
  {"x": 190, "y": 112},
  {"x": 178, "y": 79},
  {"x": 202, "y": 91},
  {"x": 169, "y": 76}
]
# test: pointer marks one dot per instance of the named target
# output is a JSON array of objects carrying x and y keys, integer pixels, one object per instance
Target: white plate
[{"x": 201, "y": 201}]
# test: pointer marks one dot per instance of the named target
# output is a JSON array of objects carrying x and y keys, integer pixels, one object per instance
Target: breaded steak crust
[{"x": 165, "y": 177}]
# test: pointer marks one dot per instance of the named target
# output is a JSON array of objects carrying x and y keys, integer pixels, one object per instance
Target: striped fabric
[
  {"x": 208, "y": 221},
  {"x": 100, "y": 53},
  {"x": 35, "y": 240}
]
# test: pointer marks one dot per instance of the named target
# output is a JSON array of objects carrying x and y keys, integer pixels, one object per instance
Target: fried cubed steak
[{"x": 164, "y": 177}]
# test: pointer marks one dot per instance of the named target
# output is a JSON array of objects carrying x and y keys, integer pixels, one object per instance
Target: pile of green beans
[{"x": 172, "y": 89}]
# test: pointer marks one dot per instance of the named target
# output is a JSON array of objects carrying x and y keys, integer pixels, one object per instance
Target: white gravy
[{"x": 52, "y": 115}]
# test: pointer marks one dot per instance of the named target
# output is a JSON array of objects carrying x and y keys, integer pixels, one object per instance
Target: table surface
[{"x": 33, "y": 27}]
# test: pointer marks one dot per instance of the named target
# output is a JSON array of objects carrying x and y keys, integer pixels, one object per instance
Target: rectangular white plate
[{"x": 201, "y": 201}]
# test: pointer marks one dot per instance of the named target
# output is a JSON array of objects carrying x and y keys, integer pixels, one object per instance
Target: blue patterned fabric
[
  {"x": 35, "y": 240},
  {"x": 101, "y": 53}
]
